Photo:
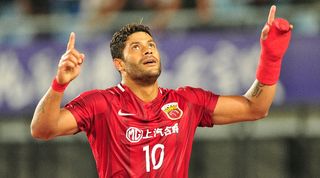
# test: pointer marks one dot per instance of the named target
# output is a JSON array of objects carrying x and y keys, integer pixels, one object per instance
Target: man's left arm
[{"x": 255, "y": 104}]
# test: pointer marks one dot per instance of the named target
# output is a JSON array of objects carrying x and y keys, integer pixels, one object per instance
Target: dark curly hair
[{"x": 120, "y": 37}]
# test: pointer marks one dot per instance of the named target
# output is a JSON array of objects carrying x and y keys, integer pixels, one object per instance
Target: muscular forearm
[
  {"x": 46, "y": 115},
  {"x": 49, "y": 120},
  {"x": 260, "y": 97},
  {"x": 274, "y": 41},
  {"x": 255, "y": 104}
]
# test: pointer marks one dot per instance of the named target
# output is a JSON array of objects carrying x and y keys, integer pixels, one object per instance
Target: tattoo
[
  {"x": 42, "y": 104},
  {"x": 257, "y": 90}
]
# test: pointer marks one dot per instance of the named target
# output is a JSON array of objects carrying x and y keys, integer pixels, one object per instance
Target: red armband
[
  {"x": 272, "y": 51},
  {"x": 57, "y": 86}
]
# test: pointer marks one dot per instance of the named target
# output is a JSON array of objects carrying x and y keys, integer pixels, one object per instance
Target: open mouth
[{"x": 149, "y": 61}]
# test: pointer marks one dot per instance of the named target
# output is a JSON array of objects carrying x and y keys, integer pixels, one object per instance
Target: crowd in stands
[{"x": 163, "y": 11}]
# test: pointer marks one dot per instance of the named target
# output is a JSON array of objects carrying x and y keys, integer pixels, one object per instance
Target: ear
[{"x": 118, "y": 64}]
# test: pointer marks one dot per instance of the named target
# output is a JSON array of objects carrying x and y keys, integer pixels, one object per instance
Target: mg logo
[{"x": 134, "y": 135}]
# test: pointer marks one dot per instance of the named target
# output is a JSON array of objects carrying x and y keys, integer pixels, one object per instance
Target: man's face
[{"x": 141, "y": 58}]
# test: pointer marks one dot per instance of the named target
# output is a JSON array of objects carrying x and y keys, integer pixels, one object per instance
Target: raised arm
[
  {"x": 49, "y": 120},
  {"x": 255, "y": 104}
]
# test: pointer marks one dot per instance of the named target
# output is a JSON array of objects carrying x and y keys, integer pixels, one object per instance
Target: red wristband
[
  {"x": 57, "y": 86},
  {"x": 268, "y": 71},
  {"x": 272, "y": 51}
]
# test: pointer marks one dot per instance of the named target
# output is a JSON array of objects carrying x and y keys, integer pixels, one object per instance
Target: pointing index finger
[
  {"x": 272, "y": 14},
  {"x": 71, "y": 41}
]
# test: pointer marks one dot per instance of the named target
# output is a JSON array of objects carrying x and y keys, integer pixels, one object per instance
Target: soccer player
[{"x": 138, "y": 129}]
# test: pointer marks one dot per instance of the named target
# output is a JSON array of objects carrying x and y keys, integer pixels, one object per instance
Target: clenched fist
[{"x": 70, "y": 62}]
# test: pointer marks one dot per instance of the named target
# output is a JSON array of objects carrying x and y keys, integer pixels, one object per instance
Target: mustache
[{"x": 149, "y": 59}]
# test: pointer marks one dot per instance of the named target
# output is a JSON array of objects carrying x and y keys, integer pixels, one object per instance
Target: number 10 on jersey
[{"x": 156, "y": 164}]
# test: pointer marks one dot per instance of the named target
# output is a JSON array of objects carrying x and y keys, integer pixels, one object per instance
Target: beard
[{"x": 143, "y": 75}]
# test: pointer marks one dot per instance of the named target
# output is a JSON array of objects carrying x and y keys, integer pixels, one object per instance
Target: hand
[
  {"x": 70, "y": 62},
  {"x": 270, "y": 21},
  {"x": 275, "y": 36},
  {"x": 274, "y": 40}
]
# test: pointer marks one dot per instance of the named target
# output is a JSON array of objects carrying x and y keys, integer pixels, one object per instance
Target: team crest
[{"x": 172, "y": 110}]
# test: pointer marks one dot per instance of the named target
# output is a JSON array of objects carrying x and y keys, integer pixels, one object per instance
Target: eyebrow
[
  {"x": 138, "y": 42},
  {"x": 133, "y": 43}
]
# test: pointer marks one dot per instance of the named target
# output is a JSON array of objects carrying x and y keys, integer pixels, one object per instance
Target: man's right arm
[{"x": 49, "y": 120}]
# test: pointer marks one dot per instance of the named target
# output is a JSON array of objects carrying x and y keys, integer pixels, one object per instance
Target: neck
[{"x": 146, "y": 92}]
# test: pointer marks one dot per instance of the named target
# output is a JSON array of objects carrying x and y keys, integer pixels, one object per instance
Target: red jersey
[{"x": 131, "y": 138}]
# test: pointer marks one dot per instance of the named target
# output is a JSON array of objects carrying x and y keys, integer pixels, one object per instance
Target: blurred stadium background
[{"x": 212, "y": 44}]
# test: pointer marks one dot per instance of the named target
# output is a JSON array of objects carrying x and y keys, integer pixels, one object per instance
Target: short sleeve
[
  {"x": 84, "y": 108},
  {"x": 205, "y": 102}
]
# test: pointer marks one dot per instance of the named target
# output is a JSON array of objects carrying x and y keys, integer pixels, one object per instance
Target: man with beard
[{"x": 138, "y": 129}]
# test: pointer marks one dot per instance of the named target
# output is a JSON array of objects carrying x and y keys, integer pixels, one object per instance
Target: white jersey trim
[{"x": 121, "y": 88}]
